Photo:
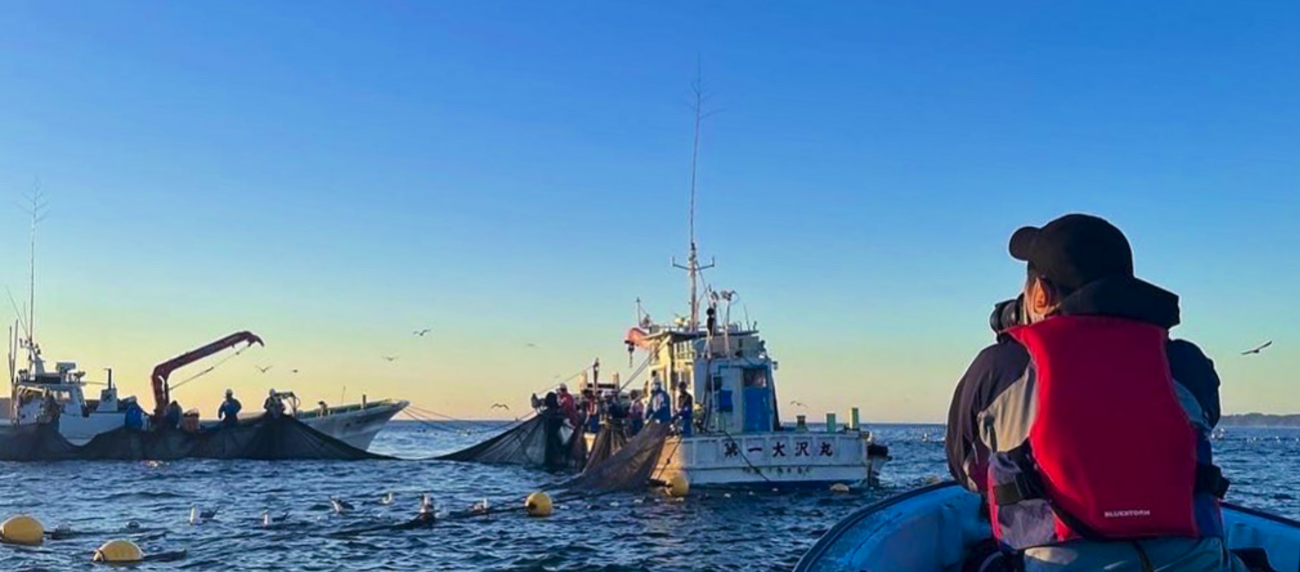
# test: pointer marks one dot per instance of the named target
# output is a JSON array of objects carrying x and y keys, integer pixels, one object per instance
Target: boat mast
[
  {"x": 692, "y": 266},
  {"x": 38, "y": 214}
]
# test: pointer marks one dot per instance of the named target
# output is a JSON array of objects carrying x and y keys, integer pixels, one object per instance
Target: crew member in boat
[
  {"x": 636, "y": 412},
  {"x": 50, "y": 408},
  {"x": 228, "y": 413},
  {"x": 567, "y": 405},
  {"x": 1086, "y": 364},
  {"x": 660, "y": 405},
  {"x": 615, "y": 412},
  {"x": 173, "y": 415},
  {"x": 273, "y": 405},
  {"x": 685, "y": 410},
  {"x": 133, "y": 418},
  {"x": 593, "y": 410}
]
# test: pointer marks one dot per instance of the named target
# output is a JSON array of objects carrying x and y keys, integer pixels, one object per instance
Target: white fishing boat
[
  {"x": 39, "y": 395},
  {"x": 738, "y": 437}
]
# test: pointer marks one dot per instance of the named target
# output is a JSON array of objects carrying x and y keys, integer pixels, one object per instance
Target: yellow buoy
[
  {"x": 119, "y": 551},
  {"x": 840, "y": 488},
  {"x": 22, "y": 529},
  {"x": 678, "y": 485},
  {"x": 538, "y": 504}
]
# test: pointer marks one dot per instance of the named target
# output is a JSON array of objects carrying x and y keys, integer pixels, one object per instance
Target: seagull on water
[
  {"x": 1256, "y": 350},
  {"x": 268, "y": 520},
  {"x": 341, "y": 506},
  {"x": 387, "y": 499},
  {"x": 481, "y": 506},
  {"x": 201, "y": 516}
]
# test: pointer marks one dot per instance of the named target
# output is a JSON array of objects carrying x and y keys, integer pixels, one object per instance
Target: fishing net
[
  {"x": 610, "y": 440},
  {"x": 266, "y": 438},
  {"x": 630, "y": 468},
  {"x": 543, "y": 441}
]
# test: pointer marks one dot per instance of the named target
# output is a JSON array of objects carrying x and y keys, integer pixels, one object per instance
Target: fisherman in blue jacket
[
  {"x": 228, "y": 414},
  {"x": 685, "y": 411},
  {"x": 134, "y": 415}
]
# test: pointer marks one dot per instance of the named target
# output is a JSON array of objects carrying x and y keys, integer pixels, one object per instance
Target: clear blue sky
[{"x": 333, "y": 175}]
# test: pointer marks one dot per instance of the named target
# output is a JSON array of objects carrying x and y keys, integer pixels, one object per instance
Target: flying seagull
[
  {"x": 500, "y": 406},
  {"x": 390, "y": 358},
  {"x": 293, "y": 371},
  {"x": 422, "y": 333},
  {"x": 532, "y": 345},
  {"x": 263, "y": 369},
  {"x": 1257, "y": 350},
  {"x": 798, "y": 404}
]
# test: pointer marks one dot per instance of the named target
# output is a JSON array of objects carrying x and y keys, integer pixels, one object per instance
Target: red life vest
[{"x": 1110, "y": 448}]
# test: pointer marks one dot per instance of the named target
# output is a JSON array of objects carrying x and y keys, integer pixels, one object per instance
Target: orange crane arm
[{"x": 162, "y": 391}]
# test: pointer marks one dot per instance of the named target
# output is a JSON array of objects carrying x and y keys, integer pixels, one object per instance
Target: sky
[{"x": 515, "y": 175}]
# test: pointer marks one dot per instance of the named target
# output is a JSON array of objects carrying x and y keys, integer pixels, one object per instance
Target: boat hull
[
  {"x": 930, "y": 530},
  {"x": 354, "y": 425},
  {"x": 778, "y": 459}
]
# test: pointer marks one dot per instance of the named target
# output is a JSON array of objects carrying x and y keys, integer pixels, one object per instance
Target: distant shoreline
[{"x": 1260, "y": 420}]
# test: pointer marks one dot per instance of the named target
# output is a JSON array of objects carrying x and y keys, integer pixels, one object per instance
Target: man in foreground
[{"x": 1086, "y": 427}]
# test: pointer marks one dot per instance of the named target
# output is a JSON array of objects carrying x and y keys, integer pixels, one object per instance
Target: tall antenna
[
  {"x": 38, "y": 212},
  {"x": 693, "y": 267}
]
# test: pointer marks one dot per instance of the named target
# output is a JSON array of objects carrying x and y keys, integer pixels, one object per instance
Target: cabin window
[{"x": 755, "y": 377}]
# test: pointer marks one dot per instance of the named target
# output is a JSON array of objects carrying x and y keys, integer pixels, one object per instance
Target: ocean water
[{"x": 625, "y": 532}]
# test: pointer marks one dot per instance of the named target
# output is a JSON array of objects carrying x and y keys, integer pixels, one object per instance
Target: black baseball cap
[{"x": 1074, "y": 250}]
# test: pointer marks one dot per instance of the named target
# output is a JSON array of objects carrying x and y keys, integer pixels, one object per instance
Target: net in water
[
  {"x": 265, "y": 438},
  {"x": 630, "y": 468},
  {"x": 542, "y": 441}
]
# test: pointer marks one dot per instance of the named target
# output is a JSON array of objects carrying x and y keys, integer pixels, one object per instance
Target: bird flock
[{"x": 200, "y": 516}]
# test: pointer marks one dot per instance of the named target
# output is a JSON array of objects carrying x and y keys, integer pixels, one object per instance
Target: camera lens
[{"x": 1007, "y": 314}]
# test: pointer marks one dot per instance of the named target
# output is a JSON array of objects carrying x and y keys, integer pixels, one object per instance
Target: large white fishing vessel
[{"x": 737, "y": 437}]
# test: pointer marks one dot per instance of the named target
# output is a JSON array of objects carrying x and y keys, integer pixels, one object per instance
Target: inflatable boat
[{"x": 930, "y": 530}]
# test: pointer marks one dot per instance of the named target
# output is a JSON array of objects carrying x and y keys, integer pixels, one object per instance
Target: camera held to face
[{"x": 1008, "y": 314}]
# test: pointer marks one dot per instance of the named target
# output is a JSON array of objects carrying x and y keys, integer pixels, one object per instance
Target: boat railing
[{"x": 341, "y": 409}]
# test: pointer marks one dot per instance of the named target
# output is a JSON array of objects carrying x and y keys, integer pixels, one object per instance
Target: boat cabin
[{"x": 729, "y": 373}]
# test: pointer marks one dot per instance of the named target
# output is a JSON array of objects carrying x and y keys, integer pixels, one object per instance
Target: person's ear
[{"x": 1039, "y": 297}]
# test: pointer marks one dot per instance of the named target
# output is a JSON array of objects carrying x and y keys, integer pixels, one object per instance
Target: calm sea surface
[{"x": 713, "y": 531}]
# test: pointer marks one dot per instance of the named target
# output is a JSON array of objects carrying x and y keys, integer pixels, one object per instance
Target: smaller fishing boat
[
  {"x": 932, "y": 529},
  {"x": 39, "y": 395}
]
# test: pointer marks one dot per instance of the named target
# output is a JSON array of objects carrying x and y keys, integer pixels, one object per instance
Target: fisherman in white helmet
[
  {"x": 661, "y": 407},
  {"x": 274, "y": 405}
]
